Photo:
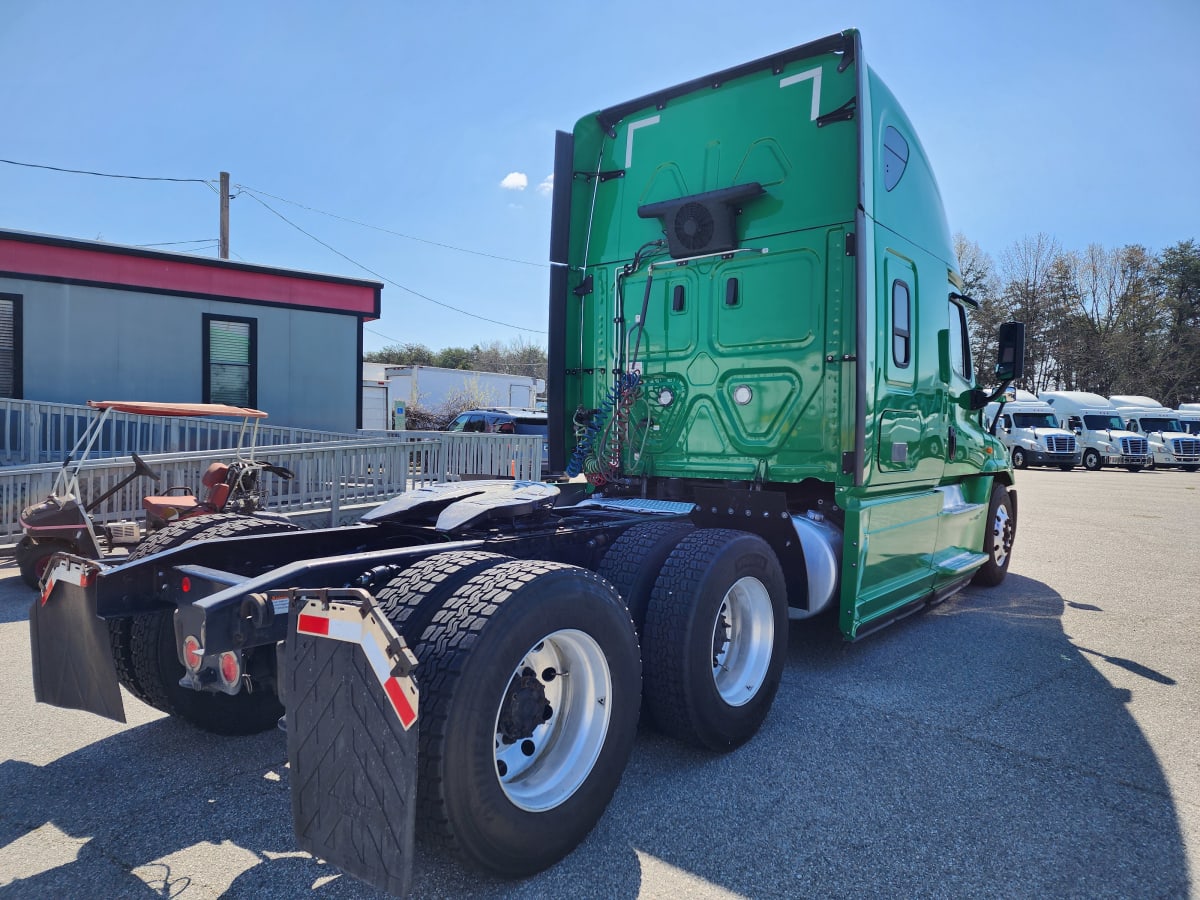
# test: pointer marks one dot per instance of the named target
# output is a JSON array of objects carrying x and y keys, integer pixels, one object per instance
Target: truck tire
[
  {"x": 517, "y": 764},
  {"x": 714, "y": 639},
  {"x": 411, "y": 599},
  {"x": 32, "y": 557},
  {"x": 1133, "y": 468},
  {"x": 155, "y": 660},
  {"x": 1091, "y": 460},
  {"x": 120, "y": 631},
  {"x": 1066, "y": 467},
  {"x": 1019, "y": 460},
  {"x": 1190, "y": 468},
  {"x": 998, "y": 537},
  {"x": 633, "y": 562}
]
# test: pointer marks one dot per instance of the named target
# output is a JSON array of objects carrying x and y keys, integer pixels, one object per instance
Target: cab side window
[
  {"x": 960, "y": 344},
  {"x": 901, "y": 324}
]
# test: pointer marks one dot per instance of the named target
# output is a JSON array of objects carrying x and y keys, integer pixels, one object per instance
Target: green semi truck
[{"x": 761, "y": 400}]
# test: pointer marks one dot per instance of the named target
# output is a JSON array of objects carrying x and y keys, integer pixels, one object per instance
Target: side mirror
[{"x": 1010, "y": 355}]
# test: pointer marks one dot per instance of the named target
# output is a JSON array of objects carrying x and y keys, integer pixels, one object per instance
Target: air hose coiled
[{"x": 588, "y": 434}]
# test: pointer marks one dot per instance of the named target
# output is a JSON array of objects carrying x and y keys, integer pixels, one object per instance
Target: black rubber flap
[
  {"x": 72, "y": 652},
  {"x": 353, "y": 764}
]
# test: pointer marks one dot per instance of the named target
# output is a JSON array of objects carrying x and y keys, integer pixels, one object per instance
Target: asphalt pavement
[{"x": 1032, "y": 740}]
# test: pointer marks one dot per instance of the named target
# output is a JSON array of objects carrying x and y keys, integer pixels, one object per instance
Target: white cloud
[
  {"x": 547, "y": 186},
  {"x": 515, "y": 181}
]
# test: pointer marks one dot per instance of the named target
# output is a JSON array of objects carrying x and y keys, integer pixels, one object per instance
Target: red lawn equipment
[{"x": 63, "y": 522}]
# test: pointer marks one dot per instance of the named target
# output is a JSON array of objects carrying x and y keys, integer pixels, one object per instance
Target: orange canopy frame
[{"x": 151, "y": 408}]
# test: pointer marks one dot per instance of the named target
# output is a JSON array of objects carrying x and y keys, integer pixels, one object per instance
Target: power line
[
  {"x": 12, "y": 162},
  {"x": 178, "y": 243},
  {"x": 254, "y": 191},
  {"x": 523, "y": 262},
  {"x": 384, "y": 278}
]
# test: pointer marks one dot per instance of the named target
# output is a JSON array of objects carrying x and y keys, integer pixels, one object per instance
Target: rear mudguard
[
  {"x": 72, "y": 653},
  {"x": 346, "y": 682}
]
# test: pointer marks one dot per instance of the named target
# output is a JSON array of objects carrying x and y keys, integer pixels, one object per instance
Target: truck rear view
[
  {"x": 755, "y": 306},
  {"x": 759, "y": 361}
]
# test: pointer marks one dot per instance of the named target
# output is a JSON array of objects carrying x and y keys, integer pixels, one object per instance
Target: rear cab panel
[{"x": 817, "y": 346}]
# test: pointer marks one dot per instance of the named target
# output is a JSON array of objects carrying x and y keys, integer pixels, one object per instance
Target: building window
[
  {"x": 230, "y": 360},
  {"x": 901, "y": 332},
  {"x": 10, "y": 346}
]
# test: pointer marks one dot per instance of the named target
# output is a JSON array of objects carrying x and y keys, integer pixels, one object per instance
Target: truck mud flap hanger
[{"x": 346, "y": 684}]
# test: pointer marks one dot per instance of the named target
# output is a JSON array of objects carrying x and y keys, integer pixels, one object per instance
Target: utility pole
[{"x": 224, "y": 243}]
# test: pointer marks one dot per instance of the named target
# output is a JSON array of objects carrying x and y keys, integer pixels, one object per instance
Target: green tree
[
  {"x": 1177, "y": 280},
  {"x": 402, "y": 355}
]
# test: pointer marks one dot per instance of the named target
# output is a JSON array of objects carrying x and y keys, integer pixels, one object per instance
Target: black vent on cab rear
[
  {"x": 702, "y": 223},
  {"x": 694, "y": 226}
]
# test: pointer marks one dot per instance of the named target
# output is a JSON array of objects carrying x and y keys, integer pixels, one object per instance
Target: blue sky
[{"x": 1081, "y": 120}]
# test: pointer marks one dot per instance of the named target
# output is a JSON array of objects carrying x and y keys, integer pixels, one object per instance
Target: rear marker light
[
  {"x": 193, "y": 654},
  {"x": 185, "y": 585},
  {"x": 230, "y": 667}
]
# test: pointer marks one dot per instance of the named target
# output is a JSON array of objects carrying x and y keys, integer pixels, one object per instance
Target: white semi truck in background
[
  {"x": 1099, "y": 430},
  {"x": 1029, "y": 429},
  {"x": 1171, "y": 446},
  {"x": 1189, "y": 417}
]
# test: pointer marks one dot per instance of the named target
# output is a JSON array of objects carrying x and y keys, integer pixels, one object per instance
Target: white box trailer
[
  {"x": 431, "y": 386},
  {"x": 1029, "y": 429},
  {"x": 1171, "y": 446},
  {"x": 1099, "y": 429}
]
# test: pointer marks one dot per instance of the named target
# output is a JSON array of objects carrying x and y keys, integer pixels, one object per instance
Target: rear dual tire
[
  {"x": 530, "y": 685},
  {"x": 714, "y": 639}
]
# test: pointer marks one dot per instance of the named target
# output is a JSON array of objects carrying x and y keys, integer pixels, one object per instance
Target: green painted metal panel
[
  {"x": 774, "y": 357},
  {"x": 736, "y": 343}
]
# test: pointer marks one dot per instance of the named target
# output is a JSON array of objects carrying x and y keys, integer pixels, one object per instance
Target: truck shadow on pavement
[{"x": 969, "y": 750}]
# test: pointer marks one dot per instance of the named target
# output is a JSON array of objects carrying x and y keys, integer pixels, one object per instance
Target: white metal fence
[
  {"x": 35, "y": 432},
  {"x": 329, "y": 476},
  {"x": 471, "y": 453}
]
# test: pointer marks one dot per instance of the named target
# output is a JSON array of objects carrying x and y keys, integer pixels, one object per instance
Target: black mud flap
[
  {"x": 72, "y": 653},
  {"x": 351, "y": 734}
]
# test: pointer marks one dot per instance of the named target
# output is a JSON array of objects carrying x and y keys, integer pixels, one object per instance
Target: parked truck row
[
  {"x": 759, "y": 363},
  {"x": 1071, "y": 428}
]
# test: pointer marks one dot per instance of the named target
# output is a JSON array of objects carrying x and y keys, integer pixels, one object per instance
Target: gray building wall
[{"x": 84, "y": 343}]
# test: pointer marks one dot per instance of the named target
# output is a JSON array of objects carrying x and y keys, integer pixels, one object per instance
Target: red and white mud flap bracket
[{"x": 346, "y": 683}]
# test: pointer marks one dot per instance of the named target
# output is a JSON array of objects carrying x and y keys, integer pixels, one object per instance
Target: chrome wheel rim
[
  {"x": 742, "y": 640},
  {"x": 1002, "y": 535},
  {"x": 552, "y": 720}
]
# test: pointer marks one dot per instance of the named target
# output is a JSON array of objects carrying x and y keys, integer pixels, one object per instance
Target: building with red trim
[{"x": 84, "y": 320}]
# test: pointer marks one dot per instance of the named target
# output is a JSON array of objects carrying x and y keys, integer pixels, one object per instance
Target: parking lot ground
[{"x": 1037, "y": 739}]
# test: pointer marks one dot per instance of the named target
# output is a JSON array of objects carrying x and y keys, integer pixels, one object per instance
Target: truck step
[{"x": 960, "y": 563}]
